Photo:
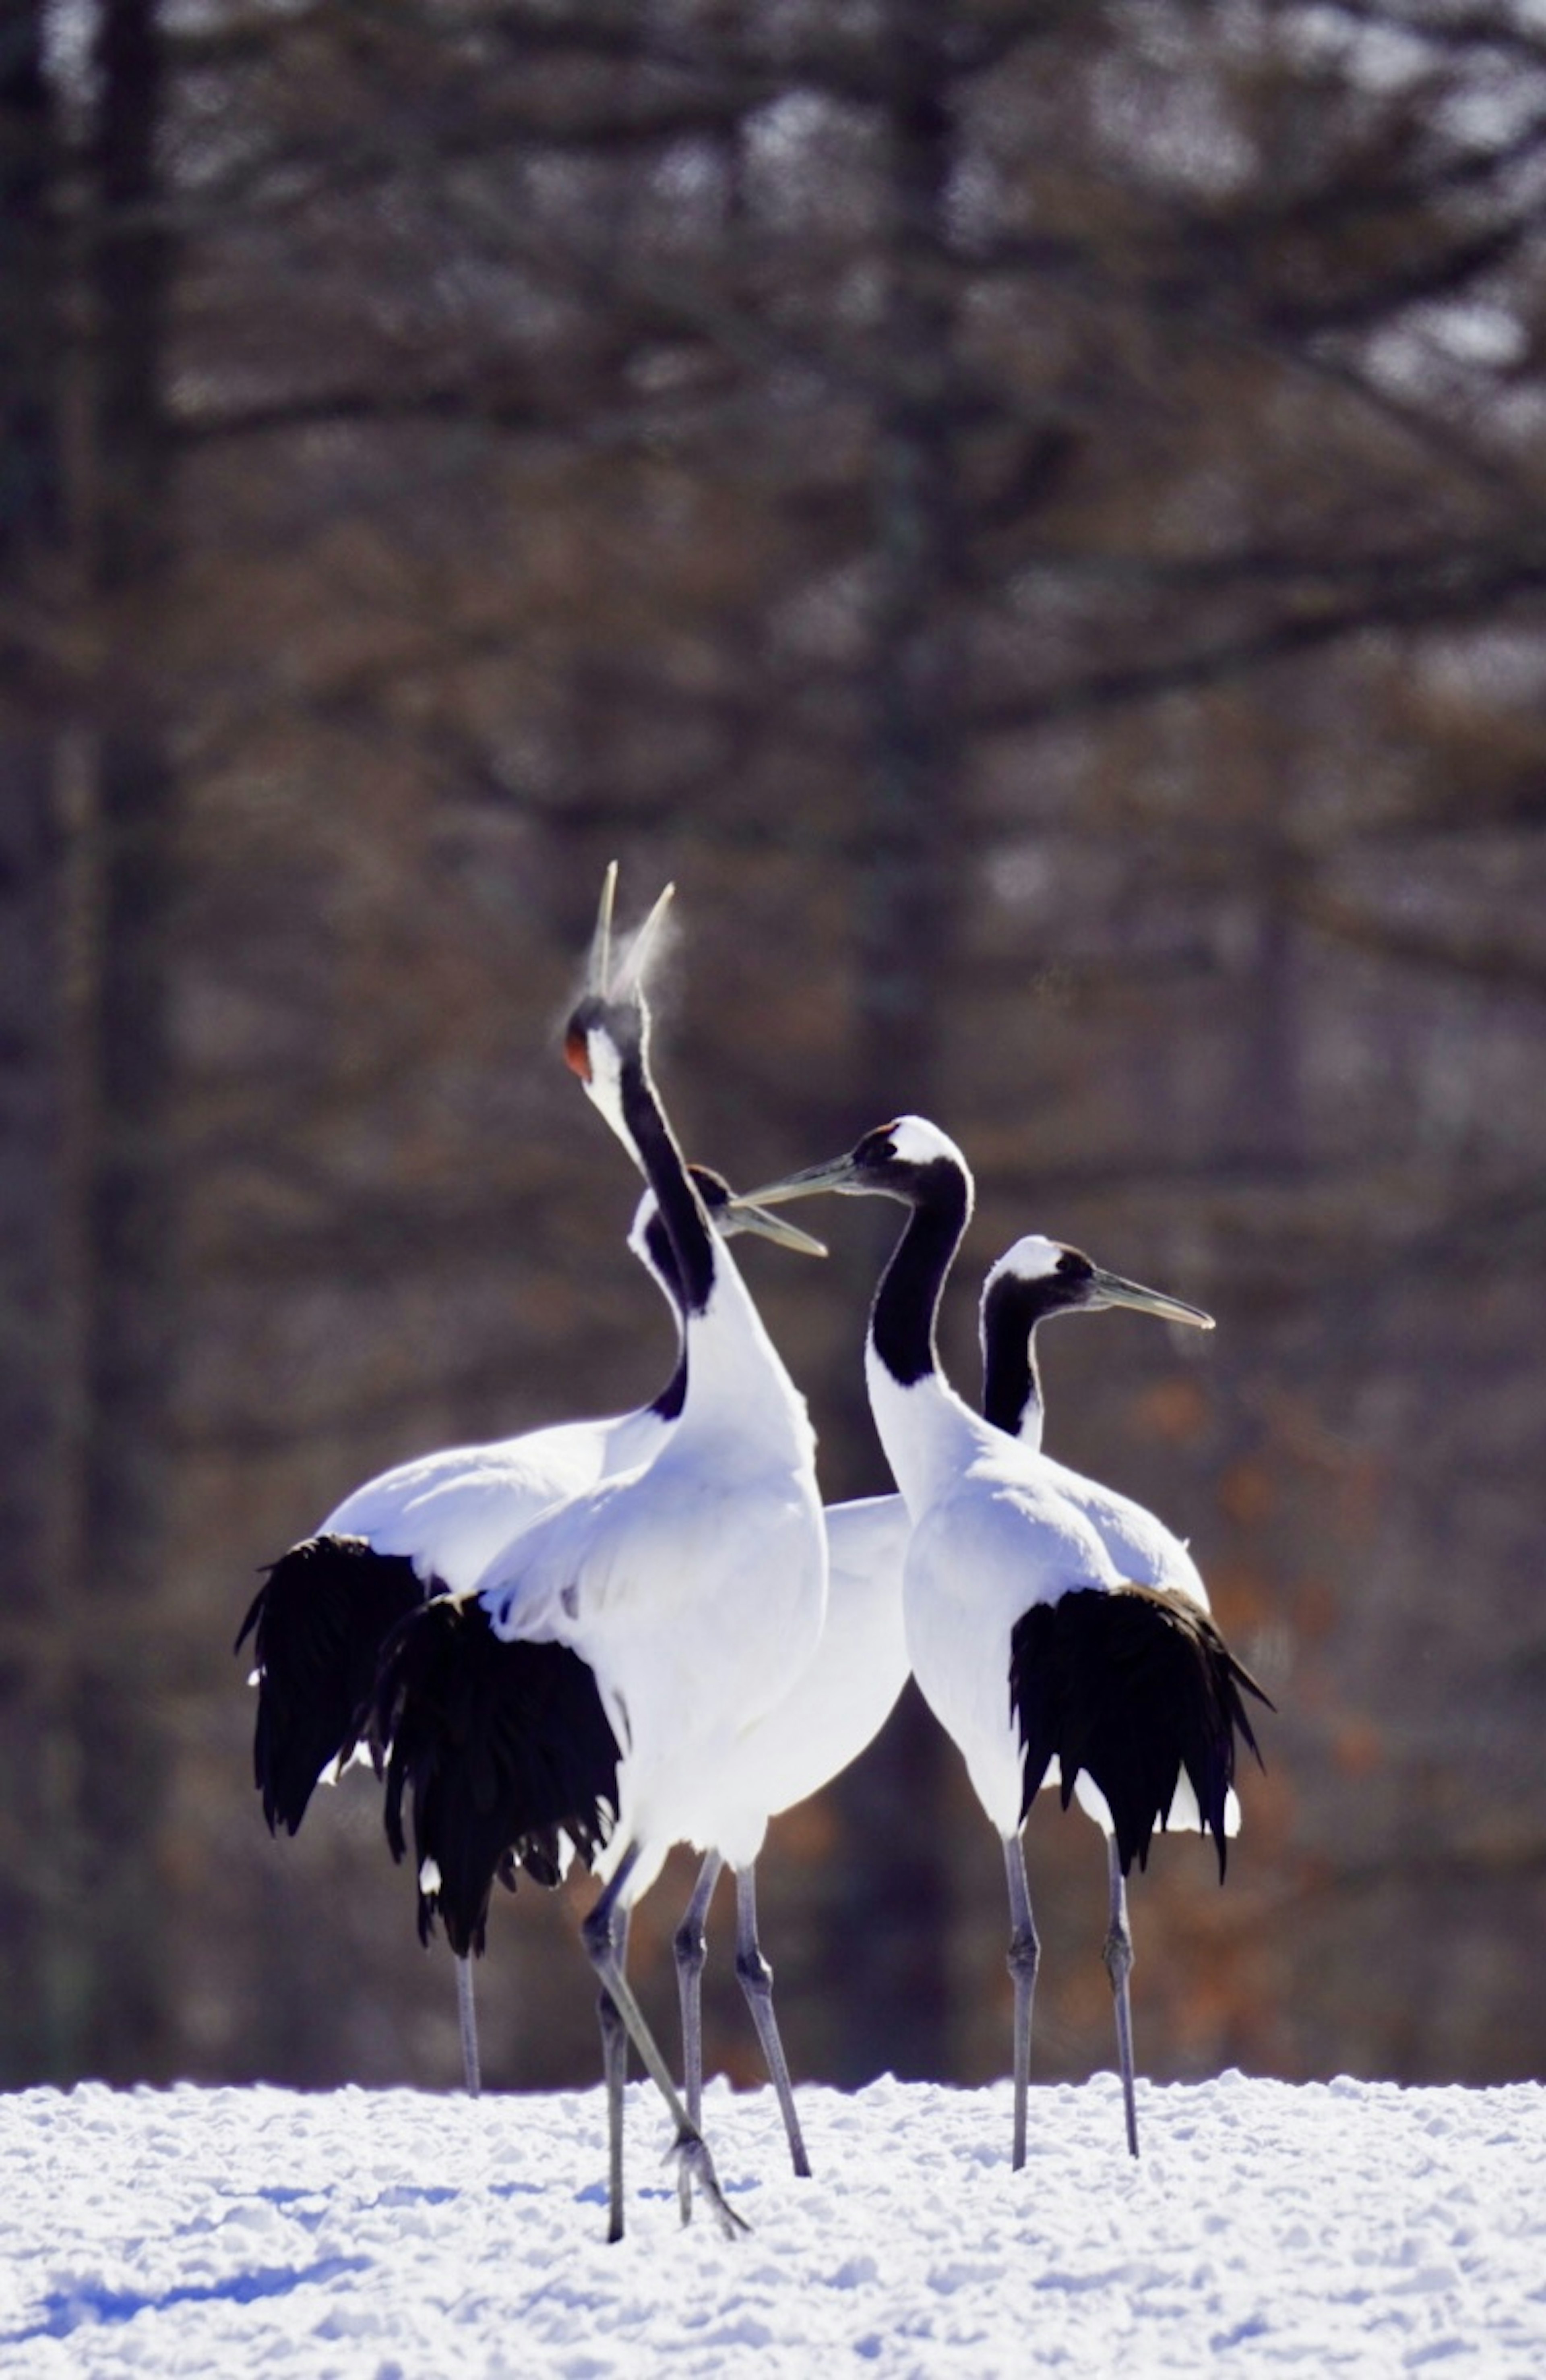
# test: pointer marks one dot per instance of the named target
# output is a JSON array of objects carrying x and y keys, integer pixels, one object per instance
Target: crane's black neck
[
  {"x": 1011, "y": 1380},
  {"x": 662, "y": 1263},
  {"x": 907, "y": 1302},
  {"x": 680, "y": 1210},
  {"x": 667, "y": 1405}
]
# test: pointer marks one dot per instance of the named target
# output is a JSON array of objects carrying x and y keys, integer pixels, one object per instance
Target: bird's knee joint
[
  {"x": 1118, "y": 1956},
  {"x": 754, "y": 1971},
  {"x": 691, "y": 1948},
  {"x": 1025, "y": 1951}
]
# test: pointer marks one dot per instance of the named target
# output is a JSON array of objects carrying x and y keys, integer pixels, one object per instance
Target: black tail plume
[
  {"x": 1132, "y": 1685},
  {"x": 319, "y": 1622},
  {"x": 506, "y": 1750}
]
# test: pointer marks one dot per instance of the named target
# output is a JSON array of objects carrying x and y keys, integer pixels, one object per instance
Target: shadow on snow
[{"x": 68, "y": 2309}]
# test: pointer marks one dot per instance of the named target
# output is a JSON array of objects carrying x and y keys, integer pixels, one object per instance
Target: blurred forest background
[{"x": 1035, "y": 512}]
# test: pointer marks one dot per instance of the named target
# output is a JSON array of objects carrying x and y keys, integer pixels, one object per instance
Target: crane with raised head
[
  {"x": 693, "y": 1587},
  {"x": 426, "y": 1528}
]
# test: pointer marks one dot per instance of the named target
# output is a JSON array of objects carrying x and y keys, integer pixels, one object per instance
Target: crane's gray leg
[
  {"x": 614, "y": 2073},
  {"x": 1024, "y": 1956},
  {"x": 466, "y": 2018},
  {"x": 756, "y": 1981},
  {"x": 1117, "y": 1955},
  {"x": 690, "y": 1950},
  {"x": 691, "y": 2150}
]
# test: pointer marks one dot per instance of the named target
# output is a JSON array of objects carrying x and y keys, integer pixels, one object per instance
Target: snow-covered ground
[{"x": 1348, "y": 2227}]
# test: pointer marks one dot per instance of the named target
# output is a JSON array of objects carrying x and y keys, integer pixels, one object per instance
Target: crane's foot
[{"x": 695, "y": 2169}]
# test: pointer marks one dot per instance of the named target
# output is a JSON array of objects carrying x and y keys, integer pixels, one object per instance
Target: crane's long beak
[
  {"x": 631, "y": 974},
  {"x": 745, "y": 1215},
  {"x": 840, "y": 1174},
  {"x": 598, "y": 971},
  {"x": 599, "y": 983},
  {"x": 1110, "y": 1288}
]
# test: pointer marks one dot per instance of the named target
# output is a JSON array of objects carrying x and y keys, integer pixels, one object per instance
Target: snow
[{"x": 1345, "y": 2227}]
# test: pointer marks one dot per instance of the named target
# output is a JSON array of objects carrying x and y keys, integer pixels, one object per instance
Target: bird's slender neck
[
  {"x": 729, "y": 1377},
  {"x": 906, "y": 1308},
  {"x": 668, "y": 1401},
  {"x": 1011, "y": 1378},
  {"x": 653, "y": 1250},
  {"x": 680, "y": 1210},
  {"x": 928, "y": 1432}
]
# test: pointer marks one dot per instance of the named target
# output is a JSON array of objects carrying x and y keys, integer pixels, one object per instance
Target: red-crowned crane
[
  {"x": 1029, "y": 1640},
  {"x": 692, "y": 1587},
  {"x": 429, "y": 1527}
]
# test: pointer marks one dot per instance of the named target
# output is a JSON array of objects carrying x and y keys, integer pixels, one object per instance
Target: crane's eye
[{"x": 877, "y": 1148}]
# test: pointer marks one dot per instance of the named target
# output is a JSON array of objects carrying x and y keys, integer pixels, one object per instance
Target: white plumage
[
  {"x": 835, "y": 1707},
  {"x": 430, "y": 1527}
]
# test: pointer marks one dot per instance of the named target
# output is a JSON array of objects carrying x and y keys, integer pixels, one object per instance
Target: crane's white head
[
  {"x": 898, "y": 1160},
  {"x": 1031, "y": 1258},
  {"x": 1052, "y": 1279}
]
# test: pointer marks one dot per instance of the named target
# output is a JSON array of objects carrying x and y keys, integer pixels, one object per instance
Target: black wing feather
[
  {"x": 505, "y": 1748},
  {"x": 319, "y": 1622},
  {"x": 1132, "y": 1685}
]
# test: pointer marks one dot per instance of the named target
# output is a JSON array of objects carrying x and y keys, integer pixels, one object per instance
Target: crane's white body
[
  {"x": 452, "y": 1513},
  {"x": 845, "y": 1692},
  {"x": 997, "y": 1526},
  {"x": 693, "y": 1585},
  {"x": 1144, "y": 1551},
  {"x": 840, "y": 1699},
  {"x": 991, "y": 1534}
]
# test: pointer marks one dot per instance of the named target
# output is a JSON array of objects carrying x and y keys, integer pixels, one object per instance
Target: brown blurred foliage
[{"x": 1035, "y": 513}]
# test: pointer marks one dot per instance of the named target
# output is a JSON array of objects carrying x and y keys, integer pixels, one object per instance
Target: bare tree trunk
[
  {"x": 128, "y": 1225},
  {"x": 898, "y": 1902},
  {"x": 32, "y": 1089}
]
